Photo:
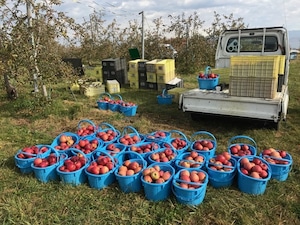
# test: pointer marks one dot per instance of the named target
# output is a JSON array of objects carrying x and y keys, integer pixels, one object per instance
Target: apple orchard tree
[{"x": 29, "y": 40}]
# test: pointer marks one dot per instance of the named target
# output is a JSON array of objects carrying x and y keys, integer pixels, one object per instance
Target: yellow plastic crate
[
  {"x": 281, "y": 64},
  {"x": 257, "y": 87},
  {"x": 151, "y": 65},
  {"x": 165, "y": 66},
  {"x": 166, "y": 77},
  {"x": 133, "y": 75},
  {"x": 134, "y": 64},
  {"x": 151, "y": 77},
  {"x": 113, "y": 86},
  {"x": 255, "y": 66},
  {"x": 134, "y": 84}
]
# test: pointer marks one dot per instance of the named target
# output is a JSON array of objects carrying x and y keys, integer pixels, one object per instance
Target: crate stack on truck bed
[{"x": 255, "y": 76}]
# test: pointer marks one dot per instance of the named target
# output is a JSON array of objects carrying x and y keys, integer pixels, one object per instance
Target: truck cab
[{"x": 243, "y": 44}]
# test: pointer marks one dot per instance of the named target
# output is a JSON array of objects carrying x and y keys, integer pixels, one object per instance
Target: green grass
[{"x": 25, "y": 200}]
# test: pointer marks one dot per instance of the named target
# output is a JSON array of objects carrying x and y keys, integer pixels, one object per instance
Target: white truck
[{"x": 255, "y": 42}]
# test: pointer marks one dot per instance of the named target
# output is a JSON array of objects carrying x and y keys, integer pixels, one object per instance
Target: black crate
[
  {"x": 142, "y": 76},
  {"x": 143, "y": 85},
  {"x": 151, "y": 86},
  {"x": 142, "y": 66},
  {"x": 111, "y": 64}
]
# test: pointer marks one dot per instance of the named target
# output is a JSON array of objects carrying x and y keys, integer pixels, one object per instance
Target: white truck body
[{"x": 263, "y": 41}]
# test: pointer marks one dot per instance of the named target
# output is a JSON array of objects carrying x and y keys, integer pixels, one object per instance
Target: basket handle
[
  {"x": 105, "y": 94},
  {"x": 107, "y": 125},
  {"x": 180, "y": 133},
  {"x": 208, "y": 70},
  {"x": 125, "y": 130},
  {"x": 116, "y": 95},
  {"x": 86, "y": 121},
  {"x": 203, "y": 133},
  {"x": 164, "y": 92},
  {"x": 230, "y": 142}
]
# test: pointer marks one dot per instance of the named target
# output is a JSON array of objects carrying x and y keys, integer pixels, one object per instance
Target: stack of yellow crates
[
  {"x": 160, "y": 72},
  {"x": 133, "y": 72},
  {"x": 255, "y": 76}
]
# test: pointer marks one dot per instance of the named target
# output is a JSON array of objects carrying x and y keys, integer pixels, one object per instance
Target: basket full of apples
[
  {"x": 221, "y": 170},
  {"x": 241, "y": 145},
  {"x": 103, "y": 100},
  {"x": 190, "y": 159},
  {"x": 253, "y": 174},
  {"x": 128, "y": 108},
  {"x": 86, "y": 128},
  {"x": 208, "y": 80},
  {"x": 115, "y": 102},
  {"x": 129, "y": 171},
  {"x": 100, "y": 170},
  {"x": 280, "y": 162},
  {"x": 44, "y": 168},
  {"x": 204, "y": 143},
  {"x": 189, "y": 186},
  {"x": 107, "y": 133}
]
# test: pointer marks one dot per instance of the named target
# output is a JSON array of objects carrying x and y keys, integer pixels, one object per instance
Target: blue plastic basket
[
  {"x": 242, "y": 140},
  {"x": 204, "y": 136},
  {"x": 206, "y": 82},
  {"x": 103, "y": 104},
  {"x": 193, "y": 197},
  {"x": 280, "y": 172},
  {"x": 83, "y": 124},
  {"x": 76, "y": 177},
  {"x": 156, "y": 191},
  {"x": 182, "y": 158},
  {"x": 128, "y": 110},
  {"x": 164, "y": 98},
  {"x": 107, "y": 127},
  {"x": 176, "y": 134},
  {"x": 89, "y": 152},
  {"x": 56, "y": 142},
  {"x": 154, "y": 136},
  {"x": 221, "y": 179},
  {"x": 131, "y": 131},
  {"x": 100, "y": 181},
  {"x": 171, "y": 161},
  {"x": 24, "y": 164},
  {"x": 131, "y": 183},
  {"x": 48, "y": 173},
  {"x": 151, "y": 146},
  {"x": 114, "y": 104},
  {"x": 250, "y": 185}
]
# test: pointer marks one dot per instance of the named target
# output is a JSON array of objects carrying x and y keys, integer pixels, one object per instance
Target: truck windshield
[{"x": 252, "y": 44}]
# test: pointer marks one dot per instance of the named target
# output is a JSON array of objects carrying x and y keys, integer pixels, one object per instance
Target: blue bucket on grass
[
  {"x": 24, "y": 164},
  {"x": 106, "y": 127},
  {"x": 204, "y": 137},
  {"x": 86, "y": 125},
  {"x": 241, "y": 140},
  {"x": 76, "y": 177},
  {"x": 156, "y": 136},
  {"x": 250, "y": 185},
  {"x": 224, "y": 178},
  {"x": 194, "y": 196},
  {"x": 133, "y": 182},
  {"x": 57, "y": 145},
  {"x": 131, "y": 131},
  {"x": 280, "y": 172},
  {"x": 150, "y": 146},
  {"x": 114, "y": 105},
  {"x": 180, "y": 162},
  {"x": 102, "y": 103},
  {"x": 88, "y": 153},
  {"x": 156, "y": 191},
  {"x": 207, "y": 83},
  {"x": 128, "y": 110},
  {"x": 100, "y": 181},
  {"x": 170, "y": 161},
  {"x": 164, "y": 98},
  {"x": 48, "y": 173},
  {"x": 178, "y": 135}
]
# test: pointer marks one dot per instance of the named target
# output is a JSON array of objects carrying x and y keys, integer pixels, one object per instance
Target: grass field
[{"x": 25, "y": 200}]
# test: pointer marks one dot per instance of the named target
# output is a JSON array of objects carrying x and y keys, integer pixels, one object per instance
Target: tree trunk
[{"x": 11, "y": 91}]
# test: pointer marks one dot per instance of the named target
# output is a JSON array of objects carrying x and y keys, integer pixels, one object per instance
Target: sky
[{"x": 255, "y": 13}]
